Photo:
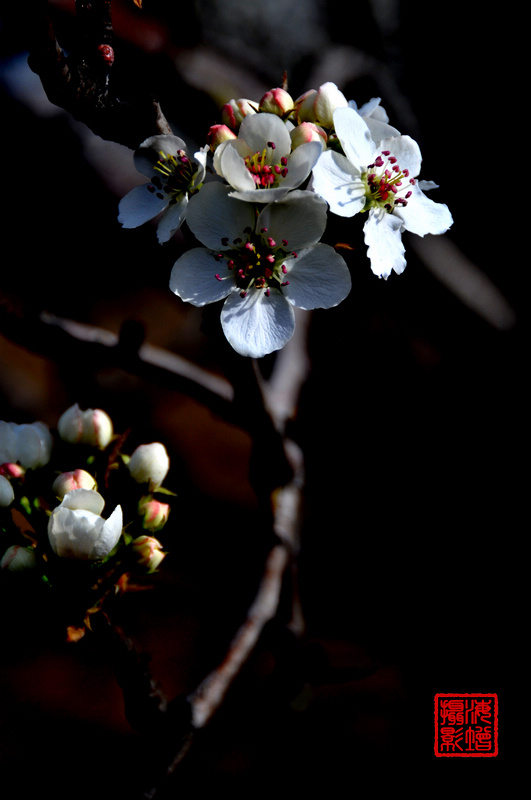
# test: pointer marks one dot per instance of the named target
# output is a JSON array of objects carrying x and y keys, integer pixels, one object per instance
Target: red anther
[{"x": 107, "y": 53}]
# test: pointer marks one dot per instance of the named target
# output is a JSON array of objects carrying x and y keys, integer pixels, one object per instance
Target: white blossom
[
  {"x": 261, "y": 265},
  {"x": 76, "y": 529},
  {"x": 173, "y": 178},
  {"x": 381, "y": 181},
  {"x": 259, "y": 164}
]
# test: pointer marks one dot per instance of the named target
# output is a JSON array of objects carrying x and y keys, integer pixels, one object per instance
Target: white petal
[
  {"x": 256, "y": 325},
  {"x": 257, "y": 130},
  {"x": 72, "y": 533},
  {"x": 29, "y": 446},
  {"x": 422, "y": 215},
  {"x": 87, "y": 499},
  {"x": 172, "y": 219},
  {"x": 140, "y": 205},
  {"x": 150, "y": 150},
  {"x": 355, "y": 137},
  {"x": 213, "y": 215},
  {"x": 406, "y": 151},
  {"x": 108, "y": 535},
  {"x": 382, "y": 233},
  {"x": 232, "y": 167},
  {"x": 300, "y": 218},
  {"x": 301, "y": 162},
  {"x": 193, "y": 278},
  {"x": 201, "y": 161},
  {"x": 339, "y": 183},
  {"x": 380, "y": 130},
  {"x": 318, "y": 278},
  {"x": 239, "y": 145},
  {"x": 7, "y": 495}
]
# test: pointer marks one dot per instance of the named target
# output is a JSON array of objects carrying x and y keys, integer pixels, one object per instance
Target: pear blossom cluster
[
  {"x": 81, "y": 497},
  {"x": 258, "y": 195}
]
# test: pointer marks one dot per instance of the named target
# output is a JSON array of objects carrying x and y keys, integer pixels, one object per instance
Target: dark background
[{"x": 412, "y": 419}]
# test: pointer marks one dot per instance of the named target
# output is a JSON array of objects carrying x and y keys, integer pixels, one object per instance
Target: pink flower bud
[
  {"x": 106, "y": 53},
  {"x": 149, "y": 464},
  {"x": 68, "y": 481},
  {"x": 304, "y": 106},
  {"x": 18, "y": 559},
  {"x": 276, "y": 101},
  {"x": 155, "y": 514},
  {"x": 307, "y": 132},
  {"x": 149, "y": 552},
  {"x": 92, "y": 426},
  {"x": 218, "y": 134},
  {"x": 234, "y": 112},
  {"x": 11, "y": 470}
]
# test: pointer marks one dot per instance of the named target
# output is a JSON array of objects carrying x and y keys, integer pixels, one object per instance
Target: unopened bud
[
  {"x": 106, "y": 54},
  {"x": 149, "y": 552},
  {"x": 233, "y": 112},
  {"x": 18, "y": 559},
  {"x": 218, "y": 134},
  {"x": 11, "y": 470},
  {"x": 68, "y": 481},
  {"x": 307, "y": 132},
  {"x": 155, "y": 514},
  {"x": 304, "y": 106},
  {"x": 149, "y": 464},
  {"x": 329, "y": 97},
  {"x": 92, "y": 426},
  {"x": 277, "y": 101}
]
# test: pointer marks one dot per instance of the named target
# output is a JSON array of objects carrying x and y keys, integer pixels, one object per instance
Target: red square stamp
[{"x": 466, "y": 724}]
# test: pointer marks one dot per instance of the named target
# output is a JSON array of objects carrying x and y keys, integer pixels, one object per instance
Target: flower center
[
  {"x": 175, "y": 175},
  {"x": 266, "y": 176},
  {"x": 255, "y": 262},
  {"x": 387, "y": 185}
]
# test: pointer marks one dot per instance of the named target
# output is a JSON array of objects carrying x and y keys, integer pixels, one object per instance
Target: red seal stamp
[{"x": 466, "y": 724}]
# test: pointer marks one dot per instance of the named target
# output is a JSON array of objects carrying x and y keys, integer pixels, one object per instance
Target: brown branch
[{"x": 82, "y": 84}]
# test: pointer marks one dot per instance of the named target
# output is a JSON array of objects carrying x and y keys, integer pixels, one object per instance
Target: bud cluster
[
  {"x": 309, "y": 117},
  {"x": 75, "y": 495}
]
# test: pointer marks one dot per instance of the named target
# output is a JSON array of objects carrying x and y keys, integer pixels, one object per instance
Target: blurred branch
[{"x": 81, "y": 83}]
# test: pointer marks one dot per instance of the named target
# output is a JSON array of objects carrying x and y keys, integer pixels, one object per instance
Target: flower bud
[
  {"x": 307, "y": 132},
  {"x": 276, "y": 101},
  {"x": 319, "y": 105},
  {"x": 92, "y": 426},
  {"x": 76, "y": 529},
  {"x": 233, "y": 112},
  {"x": 149, "y": 552},
  {"x": 155, "y": 514},
  {"x": 218, "y": 134},
  {"x": 149, "y": 464},
  {"x": 327, "y": 100},
  {"x": 11, "y": 470},
  {"x": 68, "y": 481},
  {"x": 304, "y": 106},
  {"x": 29, "y": 444},
  {"x": 18, "y": 559},
  {"x": 7, "y": 495}
]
